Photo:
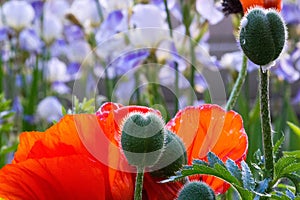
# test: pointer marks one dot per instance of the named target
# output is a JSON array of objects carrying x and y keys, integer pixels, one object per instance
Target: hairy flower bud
[
  {"x": 173, "y": 157},
  {"x": 262, "y": 35},
  {"x": 142, "y": 139},
  {"x": 196, "y": 190}
]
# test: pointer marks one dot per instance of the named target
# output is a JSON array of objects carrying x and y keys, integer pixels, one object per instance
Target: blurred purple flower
[
  {"x": 57, "y": 8},
  {"x": 73, "y": 68},
  {"x": 114, "y": 23},
  {"x": 56, "y": 70},
  {"x": 208, "y": 10},
  {"x": 58, "y": 48},
  {"x": 38, "y": 6},
  {"x": 3, "y": 33},
  {"x": 291, "y": 13},
  {"x": 60, "y": 87},
  {"x": 78, "y": 51},
  {"x": 17, "y": 106},
  {"x": 49, "y": 109},
  {"x": 73, "y": 33},
  {"x": 200, "y": 83},
  {"x": 129, "y": 61},
  {"x": 296, "y": 99},
  {"x": 30, "y": 41},
  {"x": 234, "y": 60},
  {"x": 285, "y": 69}
]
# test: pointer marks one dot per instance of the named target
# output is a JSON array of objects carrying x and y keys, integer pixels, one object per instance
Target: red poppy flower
[
  {"x": 277, "y": 4},
  {"x": 79, "y": 157}
]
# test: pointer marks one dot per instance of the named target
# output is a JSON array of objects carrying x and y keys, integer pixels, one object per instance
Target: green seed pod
[
  {"x": 195, "y": 191},
  {"x": 262, "y": 35},
  {"x": 172, "y": 159},
  {"x": 143, "y": 138}
]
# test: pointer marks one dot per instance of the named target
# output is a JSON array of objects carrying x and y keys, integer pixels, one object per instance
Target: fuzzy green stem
[
  {"x": 138, "y": 192},
  {"x": 266, "y": 122},
  {"x": 238, "y": 85}
]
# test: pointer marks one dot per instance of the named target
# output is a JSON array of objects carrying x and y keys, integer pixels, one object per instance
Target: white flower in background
[
  {"x": 56, "y": 70},
  {"x": 79, "y": 52},
  {"x": 209, "y": 11},
  {"x": 53, "y": 28},
  {"x": 86, "y": 12},
  {"x": 58, "y": 8},
  {"x": 149, "y": 26},
  {"x": 49, "y": 109},
  {"x": 18, "y": 14}
]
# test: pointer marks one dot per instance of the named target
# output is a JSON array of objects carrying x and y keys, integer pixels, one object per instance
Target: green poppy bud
[
  {"x": 195, "y": 191},
  {"x": 172, "y": 159},
  {"x": 262, "y": 35},
  {"x": 142, "y": 139}
]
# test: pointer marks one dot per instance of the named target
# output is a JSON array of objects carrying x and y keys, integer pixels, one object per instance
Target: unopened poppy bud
[
  {"x": 142, "y": 139},
  {"x": 195, "y": 191},
  {"x": 262, "y": 35},
  {"x": 172, "y": 159}
]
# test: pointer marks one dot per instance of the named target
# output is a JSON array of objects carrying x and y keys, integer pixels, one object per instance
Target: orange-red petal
[
  {"x": 209, "y": 128},
  {"x": 71, "y": 177},
  {"x": 247, "y": 4}
]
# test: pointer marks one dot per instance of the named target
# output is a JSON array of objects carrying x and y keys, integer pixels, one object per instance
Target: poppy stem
[
  {"x": 139, "y": 183},
  {"x": 266, "y": 122},
  {"x": 238, "y": 85}
]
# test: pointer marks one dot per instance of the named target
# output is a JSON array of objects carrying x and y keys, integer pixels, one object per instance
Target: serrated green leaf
[
  {"x": 247, "y": 177},
  {"x": 295, "y": 154},
  {"x": 277, "y": 147},
  {"x": 281, "y": 164},
  {"x": 213, "y": 159},
  {"x": 234, "y": 170},
  {"x": 219, "y": 171},
  {"x": 294, "y": 167},
  {"x": 199, "y": 162},
  {"x": 294, "y": 128},
  {"x": 282, "y": 197}
]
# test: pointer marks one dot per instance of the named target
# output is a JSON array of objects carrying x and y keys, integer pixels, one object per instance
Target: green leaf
[
  {"x": 234, "y": 169},
  {"x": 281, "y": 164},
  {"x": 219, "y": 170},
  {"x": 294, "y": 128},
  {"x": 295, "y": 154},
  {"x": 277, "y": 147},
  {"x": 247, "y": 177},
  {"x": 213, "y": 159}
]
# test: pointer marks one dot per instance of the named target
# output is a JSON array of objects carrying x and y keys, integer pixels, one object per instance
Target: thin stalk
[
  {"x": 266, "y": 122},
  {"x": 193, "y": 63},
  {"x": 168, "y": 18},
  {"x": 238, "y": 85},
  {"x": 176, "y": 88},
  {"x": 138, "y": 192},
  {"x": 138, "y": 92},
  {"x": 176, "y": 104},
  {"x": 99, "y": 9}
]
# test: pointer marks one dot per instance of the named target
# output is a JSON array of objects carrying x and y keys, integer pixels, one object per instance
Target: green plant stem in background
[
  {"x": 193, "y": 64},
  {"x": 176, "y": 104},
  {"x": 99, "y": 9},
  {"x": 238, "y": 85},
  {"x": 266, "y": 122},
  {"x": 139, "y": 183}
]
